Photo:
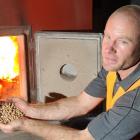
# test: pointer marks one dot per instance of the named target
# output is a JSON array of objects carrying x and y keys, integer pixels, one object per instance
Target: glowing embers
[{"x": 12, "y": 63}]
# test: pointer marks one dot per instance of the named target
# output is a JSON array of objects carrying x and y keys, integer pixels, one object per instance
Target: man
[{"x": 119, "y": 78}]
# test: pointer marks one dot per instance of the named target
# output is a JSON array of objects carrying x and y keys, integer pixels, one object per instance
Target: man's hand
[
  {"x": 46, "y": 130},
  {"x": 21, "y": 104},
  {"x": 28, "y": 110},
  {"x": 12, "y": 126},
  {"x": 62, "y": 109}
]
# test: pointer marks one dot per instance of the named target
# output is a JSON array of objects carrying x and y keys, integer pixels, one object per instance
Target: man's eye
[
  {"x": 123, "y": 42},
  {"x": 106, "y": 37}
]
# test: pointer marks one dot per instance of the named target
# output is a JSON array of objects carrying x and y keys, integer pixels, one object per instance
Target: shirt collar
[{"x": 132, "y": 78}]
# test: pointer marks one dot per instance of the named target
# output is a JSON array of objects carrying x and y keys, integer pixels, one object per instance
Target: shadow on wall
[{"x": 53, "y": 96}]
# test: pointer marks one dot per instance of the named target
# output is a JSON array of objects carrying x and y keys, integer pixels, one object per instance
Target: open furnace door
[{"x": 65, "y": 63}]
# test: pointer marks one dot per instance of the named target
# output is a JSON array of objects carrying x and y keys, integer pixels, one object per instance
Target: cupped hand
[
  {"x": 28, "y": 109},
  {"x": 21, "y": 104},
  {"x": 12, "y": 126}
]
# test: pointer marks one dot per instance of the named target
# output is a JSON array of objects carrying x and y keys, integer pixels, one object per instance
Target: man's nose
[{"x": 110, "y": 47}]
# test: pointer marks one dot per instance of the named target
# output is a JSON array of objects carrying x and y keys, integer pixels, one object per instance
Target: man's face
[{"x": 120, "y": 46}]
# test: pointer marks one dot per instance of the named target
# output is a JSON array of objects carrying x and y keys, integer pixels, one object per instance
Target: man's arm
[
  {"x": 46, "y": 130},
  {"x": 55, "y": 132},
  {"x": 62, "y": 109}
]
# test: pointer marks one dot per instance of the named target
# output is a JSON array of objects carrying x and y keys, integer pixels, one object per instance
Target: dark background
[{"x": 103, "y": 8}]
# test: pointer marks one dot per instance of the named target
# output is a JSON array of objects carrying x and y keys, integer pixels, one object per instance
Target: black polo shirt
[{"x": 122, "y": 122}]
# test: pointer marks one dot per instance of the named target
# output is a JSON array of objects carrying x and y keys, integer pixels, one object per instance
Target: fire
[{"x": 9, "y": 62}]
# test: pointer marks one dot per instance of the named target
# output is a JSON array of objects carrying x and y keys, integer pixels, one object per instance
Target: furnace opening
[{"x": 12, "y": 67}]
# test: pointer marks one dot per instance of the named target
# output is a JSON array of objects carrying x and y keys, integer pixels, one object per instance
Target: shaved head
[
  {"x": 135, "y": 9},
  {"x": 131, "y": 11}
]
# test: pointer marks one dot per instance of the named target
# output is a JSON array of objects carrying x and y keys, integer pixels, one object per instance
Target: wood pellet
[{"x": 9, "y": 112}]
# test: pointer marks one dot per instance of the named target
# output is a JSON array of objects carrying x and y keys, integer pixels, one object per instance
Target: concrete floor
[{"x": 19, "y": 135}]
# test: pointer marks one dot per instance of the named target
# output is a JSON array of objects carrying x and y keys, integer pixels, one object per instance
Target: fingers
[
  {"x": 12, "y": 126},
  {"x": 6, "y": 128},
  {"x": 19, "y": 103},
  {"x": 23, "y": 106},
  {"x": 18, "y": 100},
  {"x": 15, "y": 99},
  {"x": 16, "y": 125}
]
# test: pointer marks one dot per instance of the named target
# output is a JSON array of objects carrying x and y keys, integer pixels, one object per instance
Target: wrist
[{"x": 25, "y": 124}]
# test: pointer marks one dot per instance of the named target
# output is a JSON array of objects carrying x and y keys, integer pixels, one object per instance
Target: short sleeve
[
  {"x": 97, "y": 87},
  {"x": 122, "y": 122}
]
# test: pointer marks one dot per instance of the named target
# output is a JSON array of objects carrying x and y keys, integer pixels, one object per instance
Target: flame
[{"x": 9, "y": 62}]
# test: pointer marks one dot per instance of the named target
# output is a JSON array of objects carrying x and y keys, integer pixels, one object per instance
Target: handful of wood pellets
[{"x": 9, "y": 112}]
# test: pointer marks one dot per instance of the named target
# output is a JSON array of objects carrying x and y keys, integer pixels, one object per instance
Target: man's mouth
[{"x": 110, "y": 60}]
